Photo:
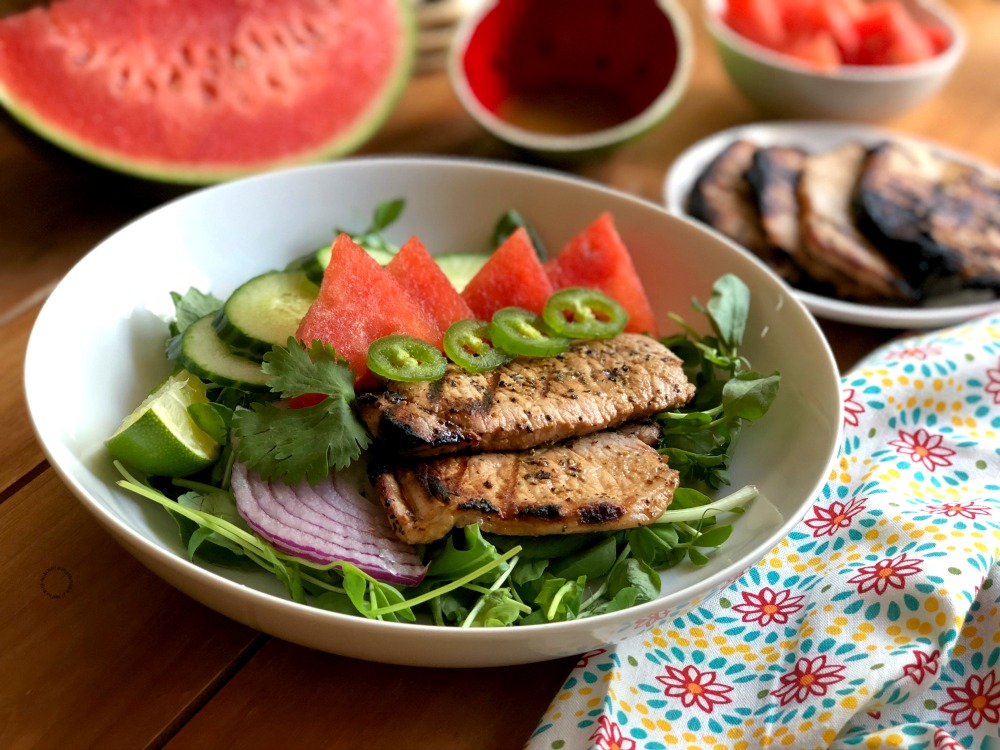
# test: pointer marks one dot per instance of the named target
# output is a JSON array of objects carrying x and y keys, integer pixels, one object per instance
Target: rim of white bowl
[
  {"x": 947, "y": 58},
  {"x": 532, "y": 140}
]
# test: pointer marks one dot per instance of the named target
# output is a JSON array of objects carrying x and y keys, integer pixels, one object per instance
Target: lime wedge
[{"x": 160, "y": 437}]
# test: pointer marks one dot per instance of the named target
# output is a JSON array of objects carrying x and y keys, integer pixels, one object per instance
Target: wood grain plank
[
  {"x": 18, "y": 446},
  {"x": 96, "y": 651},
  {"x": 289, "y": 695}
]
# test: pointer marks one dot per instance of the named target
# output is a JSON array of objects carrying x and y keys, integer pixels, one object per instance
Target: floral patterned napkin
[{"x": 874, "y": 624}]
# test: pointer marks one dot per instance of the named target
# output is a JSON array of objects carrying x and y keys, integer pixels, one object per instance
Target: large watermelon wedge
[{"x": 199, "y": 91}]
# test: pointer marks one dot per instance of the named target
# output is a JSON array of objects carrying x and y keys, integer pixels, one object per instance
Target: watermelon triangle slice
[
  {"x": 198, "y": 91},
  {"x": 597, "y": 258},
  {"x": 415, "y": 270},
  {"x": 360, "y": 301}
]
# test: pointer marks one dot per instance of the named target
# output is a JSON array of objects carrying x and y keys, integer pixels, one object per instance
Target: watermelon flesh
[
  {"x": 203, "y": 90},
  {"x": 415, "y": 270},
  {"x": 360, "y": 301},
  {"x": 597, "y": 258},
  {"x": 512, "y": 277}
]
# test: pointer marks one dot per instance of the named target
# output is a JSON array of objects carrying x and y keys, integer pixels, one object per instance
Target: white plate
[
  {"x": 107, "y": 317},
  {"x": 817, "y": 136}
]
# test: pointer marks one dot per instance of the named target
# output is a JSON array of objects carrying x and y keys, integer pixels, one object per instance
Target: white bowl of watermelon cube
[
  {"x": 836, "y": 59},
  {"x": 521, "y": 70},
  {"x": 215, "y": 239}
]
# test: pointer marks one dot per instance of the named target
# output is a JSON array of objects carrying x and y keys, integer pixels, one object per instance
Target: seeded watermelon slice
[{"x": 199, "y": 91}]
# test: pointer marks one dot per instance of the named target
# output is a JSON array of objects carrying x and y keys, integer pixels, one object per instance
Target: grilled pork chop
[
  {"x": 723, "y": 198},
  {"x": 836, "y": 250},
  {"x": 774, "y": 176},
  {"x": 932, "y": 214},
  {"x": 530, "y": 401},
  {"x": 604, "y": 481}
]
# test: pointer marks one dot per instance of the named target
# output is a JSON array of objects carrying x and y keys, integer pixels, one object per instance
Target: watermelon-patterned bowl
[
  {"x": 215, "y": 239},
  {"x": 565, "y": 79},
  {"x": 835, "y": 65}
]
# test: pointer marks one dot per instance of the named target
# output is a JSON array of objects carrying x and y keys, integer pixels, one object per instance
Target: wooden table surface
[{"x": 95, "y": 651}]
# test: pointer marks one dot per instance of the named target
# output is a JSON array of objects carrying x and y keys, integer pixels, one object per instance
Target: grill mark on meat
[
  {"x": 594, "y": 386},
  {"x": 478, "y": 504},
  {"x": 603, "y": 481},
  {"x": 599, "y": 513}
]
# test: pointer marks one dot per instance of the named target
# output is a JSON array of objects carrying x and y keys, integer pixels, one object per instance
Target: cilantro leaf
[
  {"x": 191, "y": 306},
  {"x": 302, "y": 444}
]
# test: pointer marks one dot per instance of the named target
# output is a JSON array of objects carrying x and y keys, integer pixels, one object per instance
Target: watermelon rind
[{"x": 344, "y": 142}]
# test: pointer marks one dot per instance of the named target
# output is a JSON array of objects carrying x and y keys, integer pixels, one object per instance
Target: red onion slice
[{"x": 331, "y": 521}]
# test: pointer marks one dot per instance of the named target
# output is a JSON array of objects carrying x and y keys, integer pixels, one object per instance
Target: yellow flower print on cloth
[{"x": 874, "y": 624}]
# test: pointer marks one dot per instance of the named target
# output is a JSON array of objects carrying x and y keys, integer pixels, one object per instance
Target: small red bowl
[{"x": 566, "y": 78}]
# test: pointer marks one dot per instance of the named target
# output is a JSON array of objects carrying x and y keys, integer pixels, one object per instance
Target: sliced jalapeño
[
  {"x": 525, "y": 333},
  {"x": 469, "y": 345},
  {"x": 405, "y": 358},
  {"x": 581, "y": 313}
]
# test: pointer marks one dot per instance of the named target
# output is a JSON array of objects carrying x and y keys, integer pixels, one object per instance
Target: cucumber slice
[
  {"x": 265, "y": 311},
  {"x": 461, "y": 267},
  {"x": 200, "y": 351},
  {"x": 315, "y": 263}
]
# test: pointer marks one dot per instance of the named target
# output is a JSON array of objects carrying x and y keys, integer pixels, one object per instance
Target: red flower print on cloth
[
  {"x": 585, "y": 658},
  {"x": 609, "y": 736},
  {"x": 891, "y": 571},
  {"x": 768, "y": 606},
  {"x": 826, "y": 521},
  {"x": 924, "y": 664},
  {"x": 993, "y": 382},
  {"x": 976, "y": 701},
  {"x": 915, "y": 352},
  {"x": 944, "y": 741},
  {"x": 810, "y": 677},
  {"x": 852, "y": 409},
  {"x": 694, "y": 688},
  {"x": 923, "y": 448},
  {"x": 966, "y": 510}
]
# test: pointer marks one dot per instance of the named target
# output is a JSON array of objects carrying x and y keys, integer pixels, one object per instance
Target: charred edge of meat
[
  {"x": 891, "y": 215},
  {"x": 934, "y": 217},
  {"x": 598, "y": 513},
  {"x": 479, "y": 504},
  {"x": 399, "y": 435}
]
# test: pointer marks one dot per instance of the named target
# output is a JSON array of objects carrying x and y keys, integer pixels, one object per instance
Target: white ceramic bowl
[
  {"x": 107, "y": 317},
  {"x": 657, "y": 47},
  {"x": 780, "y": 86}
]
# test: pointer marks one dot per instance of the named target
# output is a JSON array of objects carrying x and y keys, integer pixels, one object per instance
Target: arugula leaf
[
  {"x": 302, "y": 444},
  {"x": 699, "y": 438},
  {"x": 454, "y": 562}
]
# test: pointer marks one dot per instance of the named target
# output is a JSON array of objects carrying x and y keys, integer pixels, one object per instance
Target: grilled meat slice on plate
[
  {"x": 530, "y": 401},
  {"x": 932, "y": 214},
  {"x": 837, "y": 251},
  {"x": 774, "y": 176},
  {"x": 607, "y": 480},
  {"x": 723, "y": 199}
]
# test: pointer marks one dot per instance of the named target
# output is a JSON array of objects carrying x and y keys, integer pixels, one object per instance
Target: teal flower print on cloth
[{"x": 874, "y": 624}]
